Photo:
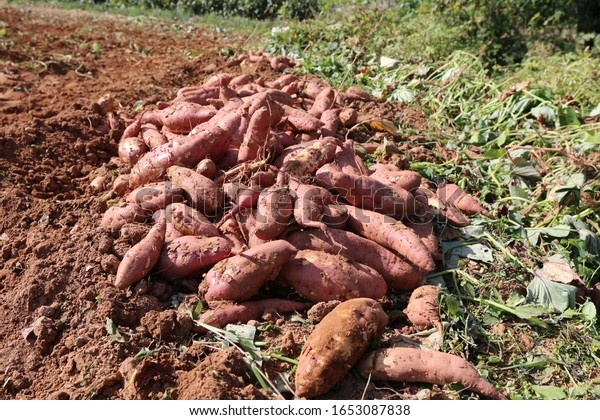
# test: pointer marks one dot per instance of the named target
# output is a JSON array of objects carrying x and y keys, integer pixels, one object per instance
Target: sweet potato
[
  {"x": 151, "y": 136},
  {"x": 282, "y": 81},
  {"x": 223, "y": 313},
  {"x": 347, "y": 160},
  {"x": 324, "y": 101},
  {"x": 240, "y": 80},
  {"x": 131, "y": 149},
  {"x": 118, "y": 215},
  {"x": 321, "y": 277},
  {"x": 354, "y": 93},
  {"x": 414, "y": 365},
  {"x": 202, "y": 192},
  {"x": 424, "y": 230},
  {"x": 310, "y": 204},
  {"x": 218, "y": 79},
  {"x": 142, "y": 257},
  {"x": 121, "y": 184},
  {"x": 335, "y": 215},
  {"x": 301, "y": 121},
  {"x": 397, "y": 272},
  {"x": 182, "y": 117},
  {"x": 452, "y": 194},
  {"x": 133, "y": 129},
  {"x": 408, "y": 180},
  {"x": 443, "y": 212},
  {"x": 207, "y": 168},
  {"x": 392, "y": 234},
  {"x": 212, "y": 138},
  {"x": 367, "y": 193},
  {"x": 238, "y": 278},
  {"x": 190, "y": 255},
  {"x": 348, "y": 117},
  {"x": 197, "y": 95},
  {"x": 230, "y": 230},
  {"x": 423, "y": 309},
  {"x": 336, "y": 344},
  {"x": 331, "y": 123},
  {"x": 156, "y": 196},
  {"x": 273, "y": 212},
  {"x": 189, "y": 221},
  {"x": 256, "y": 135},
  {"x": 308, "y": 160}
]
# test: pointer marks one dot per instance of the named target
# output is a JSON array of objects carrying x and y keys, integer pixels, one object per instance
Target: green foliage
[{"x": 255, "y": 9}]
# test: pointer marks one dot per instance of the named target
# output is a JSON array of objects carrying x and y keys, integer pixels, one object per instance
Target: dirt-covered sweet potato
[
  {"x": 367, "y": 193},
  {"x": 189, "y": 221},
  {"x": 348, "y": 161},
  {"x": 255, "y": 139},
  {"x": 397, "y": 271},
  {"x": 120, "y": 214},
  {"x": 423, "y": 227},
  {"x": 324, "y": 101},
  {"x": 131, "y": 149},
  {"x": 321, "y": 277},
  {"x": 301, "y": 121},
  {"x": 308, "y": 160},
  {"x": 403, "y": 364},
  {"x": 392, "y": 234},
  {"x": 311, "y": 205},
  {"x": 222, "y": 313},
  {"x": 336, "y": 344},
  {"x": 231, "y": 231},
  {"x": 200, "y": 190},
  {"x": 408, "y": 180},
  {"x": 210, "y": 138},
  {"x": 151, "y": 136},
  {"x": 207, "y": 168},
  {"x": 142, "y": 257},
  {"x": 182, "y": 117},
  {"x": 238, "y": 278},
  {"x": 273, "y": 212},
  {"x": 452, "y": 194},
  {"x": 155, "y": 196},
  {"x": 190, "y": 255},
  {"x": 423, "y": 309}
]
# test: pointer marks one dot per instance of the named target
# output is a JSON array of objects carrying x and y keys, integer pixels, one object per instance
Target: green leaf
[
  {"x": 533, "y": 236},
  {"x": 559, "y": 231},
  {"x": 551, "y": 294},
  {"x": 528, "y": 311},
  {"x": 545, "y": 112},
  {"x": 588, "y": 310},
  {"x": 502, "y": 138},
  {"x": 113, "y": 331},
  {"x": 549, "y": 392},
  {"x": 568, "y": 116}
]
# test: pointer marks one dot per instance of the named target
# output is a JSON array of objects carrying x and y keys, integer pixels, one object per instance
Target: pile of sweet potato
[{"x": 252, "y": 187}]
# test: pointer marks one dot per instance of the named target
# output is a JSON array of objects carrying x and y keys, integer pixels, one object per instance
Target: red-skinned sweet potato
[
  {"x": 321, "y": 277},
  {"x": 151, "y": 136},
  {"x": 348, "y": 161},
  {"x": 301, "y": 121},
  {"x": 156, "y": 196},
  {"x": 308, "y": 160},
  {"x": 207, "y": 168},
  {"x": 189, "y": 256},
  {"x": 414, "y": 365},
  {"x": 408, "y": 180},
  {"x": 423, "y": 227},
  {"x": 189, "y": 221},
  {"x": 397, "y": 272},
  {"x": 231, "y": 231},
  {"x": 453, "y": 195},
  {"x": 120, "y": 214},
  {"x": 367, "y": 193},
  {"x": 131, "y": 149},
  {"x": 423, "y": 309},
  {"x": 392, "y": 234},
  {"x": 240, "y": 277},
  {"x": 223, "y": 313},
  {"x": 202, "y": 192},
  {"x": 273, "y": 212},
  {"x": 255, "y": 139},
  {"x": 142, "y": 257},
  {"x": 336, "y": 344},
  {"x": 324, "y": 101},
  {"x": 182, "y": 117}
]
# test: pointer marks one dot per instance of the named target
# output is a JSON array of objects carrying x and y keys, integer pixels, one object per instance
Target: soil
[{"x": 67, "y": 333}]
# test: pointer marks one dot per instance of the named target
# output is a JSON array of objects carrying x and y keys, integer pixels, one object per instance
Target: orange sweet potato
[
  {"x": 336, "y": 344},
  {"x": 397, "y": 272},
  {"x": 392, "y": 234},
  {"x": 188, "y": 256},
  {"x": 321, "y": 277},
  {"x": 240, "y": 277},
  {"x": 142, "y": 257},
  {"x": 414, "y": 365}
]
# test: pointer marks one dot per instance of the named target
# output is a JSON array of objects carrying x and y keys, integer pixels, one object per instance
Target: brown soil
[{"x": 56, "y": 265}]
